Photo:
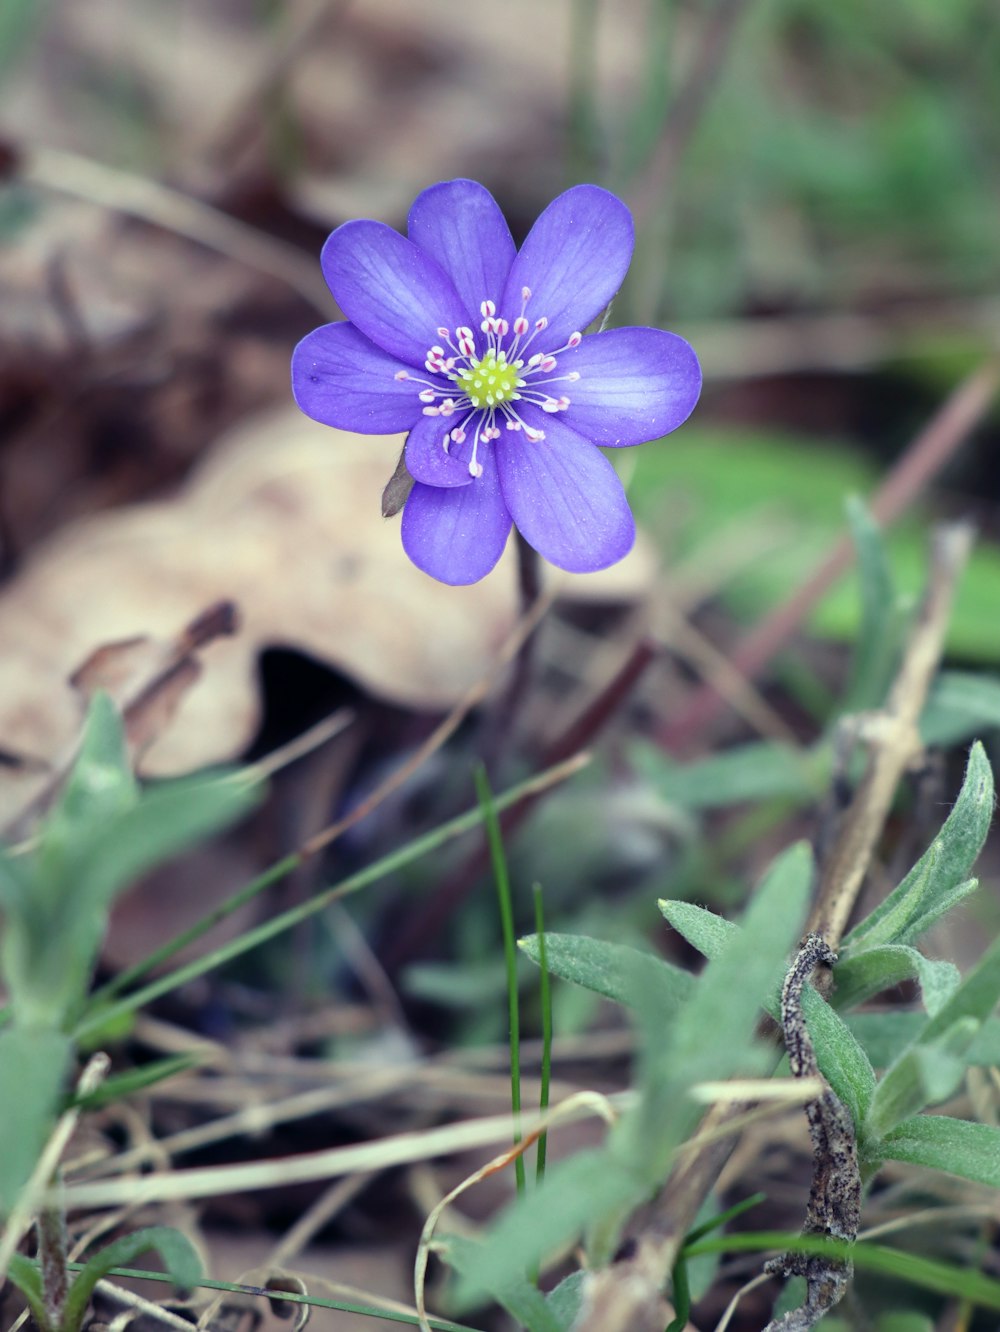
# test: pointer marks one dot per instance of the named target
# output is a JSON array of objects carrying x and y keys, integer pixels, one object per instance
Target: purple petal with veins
[
  {"x": 392, "y": 291},
  {"x": 342, "y": 379},
  {"x": 635, "y": 384},
  {"x": 459, "y": 224},
  {"x": 565, "y": 497},
  {"x": 457, "y": 535},
  {"x": 573, "y": 262}
]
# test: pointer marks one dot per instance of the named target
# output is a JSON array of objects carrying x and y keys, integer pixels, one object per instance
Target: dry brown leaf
[{"x": 283, "y": 519}]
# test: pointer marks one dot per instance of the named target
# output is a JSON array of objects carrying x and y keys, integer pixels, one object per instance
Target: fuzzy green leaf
[
  {"x": 976, "y": 997},
  {"x": 884, "y": 1035},
  {"x": 840, "y": 1057},
  {"x": 958, "y": 1146},
  {"x": 166, "y": 820},
  {"x": 616, "y": 971},
  {"x": 703, "y": 929},
  {"x": 943, "y": 867},
  {"x": 565, "y": 1299},
  {"x": 876, "y": 969},
  {"x": 923, "y": 1075},
  {"x": 749, "y": 965}
]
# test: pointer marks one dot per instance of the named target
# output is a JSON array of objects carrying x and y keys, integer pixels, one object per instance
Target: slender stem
[
  {"x": 501, "y": 725},
  {"x": 502, "y": 880},
  {"x": 545, "y": 997}
]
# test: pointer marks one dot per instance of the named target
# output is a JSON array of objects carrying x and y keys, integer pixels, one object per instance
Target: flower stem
[{"x": 500, "y": 726}]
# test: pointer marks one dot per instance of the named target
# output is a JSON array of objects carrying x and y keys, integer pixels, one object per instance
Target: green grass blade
[{"x": 501, "y": 878}]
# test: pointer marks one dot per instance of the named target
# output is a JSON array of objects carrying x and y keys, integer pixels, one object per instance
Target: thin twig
[
  {"x": 929, "y": 452},
  {"x": 161, "y": 206},
  {"x": 894, "y": 739}
]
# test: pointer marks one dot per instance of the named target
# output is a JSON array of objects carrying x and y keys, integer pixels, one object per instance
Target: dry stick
[
  {"x": 161, "y": 206},
  {"x": 625, "y": 1297},
  {"x": 935, "y": 446},
  {"x": 895, "y": 740}
]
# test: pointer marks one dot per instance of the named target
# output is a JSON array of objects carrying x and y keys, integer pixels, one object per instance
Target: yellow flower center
[{"x": 490, "y": 380}]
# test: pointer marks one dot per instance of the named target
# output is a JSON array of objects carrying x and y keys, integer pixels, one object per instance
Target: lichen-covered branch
[{"x": 834, "y": 1208}]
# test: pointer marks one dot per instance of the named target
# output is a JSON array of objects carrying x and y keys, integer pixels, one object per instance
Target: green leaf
[
  {"x": 524, "y": 1302},
  {"x": 703, "y": 929},
  {"x": 840, "y": 1058},
  {"x": 960, "y": 706},
  {"x": 166, "y": 820},
  {"x": 750, "y": 964},
  {"x": 33, "y": 1066},
  {"x": 976, "y": 997},
  {"x": 761, "y": 771},
  {"x": 134, "y": 1079},
  {"x": 179, "y": 1256},
  {"x": 876, "y": 969},
  {"x": 576, "y": 1191},
  {"x": 914, "y": 904},
  {"x": 712, "y": 1036},
  {"x": 566, "y": 1298},
  {"x": 956, "y": 1145},
  {"x": 925, "y": 1074},
  {"x": 885, "y": 1035},
  {"x": 882, "y": 615},
  {"x": 616, "y": 971},
  {"x": 24, "y": 1274}
]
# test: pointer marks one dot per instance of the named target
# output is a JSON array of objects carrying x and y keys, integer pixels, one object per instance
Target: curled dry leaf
[{"x": 282, "y": 520}]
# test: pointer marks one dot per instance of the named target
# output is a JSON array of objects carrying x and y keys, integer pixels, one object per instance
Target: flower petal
[
  {"x": 397, "y": 295},
  {"x": 573, "y": 261},
  {"x": 635, "y": 384},
  {"x": 460, "y": 225},
  {"x": 564, "y": 496},
  {"x": 457, "y": 535},
  {"x": 426, "y": 459},
  {"x": 343, "y": 380}
]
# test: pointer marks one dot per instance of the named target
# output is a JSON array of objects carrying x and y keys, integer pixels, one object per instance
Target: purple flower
[{"x": 475, "y": 348}]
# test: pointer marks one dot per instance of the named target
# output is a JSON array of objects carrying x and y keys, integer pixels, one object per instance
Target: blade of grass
[
  {"x": 545, "y": 997},
  {"x": 97, "y": 1018},
  {"x": 502, "y": 879},
  {"x": 917, "y": 1269},
  {"x": 290, "y": 1297}
]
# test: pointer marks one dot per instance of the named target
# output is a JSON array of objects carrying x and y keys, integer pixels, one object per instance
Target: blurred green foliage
[{"x": 778, "y": 500}]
